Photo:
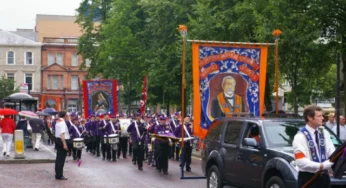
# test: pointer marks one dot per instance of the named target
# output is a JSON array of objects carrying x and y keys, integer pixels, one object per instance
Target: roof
[
  {"x": 48, "y": 17},
  {"x": 31, "y": 35},
  {"x": 10, "y": 39}
]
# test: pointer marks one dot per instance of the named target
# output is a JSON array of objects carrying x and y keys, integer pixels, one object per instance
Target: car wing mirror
[{"x": 251, "y": 142}]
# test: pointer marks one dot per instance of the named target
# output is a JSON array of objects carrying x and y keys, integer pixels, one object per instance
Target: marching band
[{"x": 154, "y": 139}]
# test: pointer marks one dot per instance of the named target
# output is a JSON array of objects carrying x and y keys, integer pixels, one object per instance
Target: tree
[{"x": 7, "y": 87}]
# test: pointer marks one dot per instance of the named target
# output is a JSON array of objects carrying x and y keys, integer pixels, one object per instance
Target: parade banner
[
  {"x": 100, "y": 97},
  {"x": 226, "y": 79},
  {"x": 51, "y": 101},
  {"x": 143, "y": 100}
]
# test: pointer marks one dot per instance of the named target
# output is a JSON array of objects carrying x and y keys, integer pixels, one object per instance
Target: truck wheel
[
  {"x": 275, "y": 182},
  {"x": 214, "y": 178}
]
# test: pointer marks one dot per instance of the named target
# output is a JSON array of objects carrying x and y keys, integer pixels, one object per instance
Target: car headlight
[{"x": 294, "y": 165}]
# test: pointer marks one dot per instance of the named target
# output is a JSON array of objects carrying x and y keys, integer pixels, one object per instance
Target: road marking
[{"x": 198, "y": 158}]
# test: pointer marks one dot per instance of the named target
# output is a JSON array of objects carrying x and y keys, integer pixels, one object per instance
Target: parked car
[{"x": 254, "y": 153}]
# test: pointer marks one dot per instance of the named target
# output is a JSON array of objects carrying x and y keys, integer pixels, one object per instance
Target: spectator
[
  {"x": 23, "y": 125},
  {"x": 7, "y": 126},
  {"x": 330, "y": 123},
  {"x": 37, "y": 126}
]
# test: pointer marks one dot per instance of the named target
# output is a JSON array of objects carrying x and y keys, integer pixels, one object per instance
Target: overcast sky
[{"x": 22, "y": 13}]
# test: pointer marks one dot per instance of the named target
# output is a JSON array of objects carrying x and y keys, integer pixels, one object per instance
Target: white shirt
[
  {"x": 342, "y": 131},
  {"x": 300, "y": 147},
  {"x": 330, "y": 124},
  {"x": 60, "y": 128},
  {"x": 231, "y": 101}
]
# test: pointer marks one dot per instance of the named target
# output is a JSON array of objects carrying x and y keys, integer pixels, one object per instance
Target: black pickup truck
[{"x": 254, "y": 153}]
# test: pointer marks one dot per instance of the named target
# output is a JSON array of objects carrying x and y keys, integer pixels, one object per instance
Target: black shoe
[
  {"x": 140, "y": 168},
  {"x": 98, "y": 155},
  {"x": 4, "y": 153},
  {"x": 165, "y": 172},
  {"x": 36, "y": 149},
  {"x": 61, "y": 178},
  {"x": 159, "y": 170},
  {"x": 103, "y": 158},
  {"x": 134, "y": 162},
  {"x": 188, "y": 170}
]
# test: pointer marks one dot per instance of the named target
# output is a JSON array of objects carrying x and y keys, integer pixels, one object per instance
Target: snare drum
[
  {"x": 78, "y": 143},
  {"x": 113, "y": 139}
]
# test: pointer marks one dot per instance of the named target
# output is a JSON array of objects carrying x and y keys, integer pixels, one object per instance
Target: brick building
[{"x": 61, "y": 75}]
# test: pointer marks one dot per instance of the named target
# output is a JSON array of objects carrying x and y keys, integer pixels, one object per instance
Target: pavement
[
  {"x": 45, "y": 154},
  {"x": 96, "y": 173}
]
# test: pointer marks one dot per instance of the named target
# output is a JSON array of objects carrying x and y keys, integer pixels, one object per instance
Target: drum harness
[
  {"x": 139, "y": 136},
  {"x": 75, "y": 127}
]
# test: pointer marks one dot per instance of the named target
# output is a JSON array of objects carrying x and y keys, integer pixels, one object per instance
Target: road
[{"x": 95, "y": 173}]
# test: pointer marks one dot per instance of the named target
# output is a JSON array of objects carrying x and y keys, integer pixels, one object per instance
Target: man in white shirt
[
  {"x": 331, "y": 121},
  {"x": 312, "y": 146},
  {"x": 342, "y": 129},
  {"x": 62, "y": 135}
]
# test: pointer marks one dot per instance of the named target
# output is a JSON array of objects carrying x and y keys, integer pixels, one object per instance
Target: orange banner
[{"x": 231, "y": 71}]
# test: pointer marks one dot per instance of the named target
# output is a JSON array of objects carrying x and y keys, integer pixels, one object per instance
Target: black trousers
[
  {"x": 323, "y": 181},
  {"x": 105, "y": 148},
  {"x": 96, "y": 144},
  {"x": 187, "y": 156},
  {"x": 77, "y": 153},
  {"x": 60, "y": 158},
  {"x": 88, "y": 143},
  {"x": 175, "y": 151},
  {"x": 123, "y": 146},
  {"x": 113, "y": 152},
  {"x": 162, "y": 156},
  {"x": 130, "y": 148},
  {"x": 138, "y": 153}
]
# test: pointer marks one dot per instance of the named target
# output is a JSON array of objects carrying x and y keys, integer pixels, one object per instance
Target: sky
[{"x": 22, "y": 13}]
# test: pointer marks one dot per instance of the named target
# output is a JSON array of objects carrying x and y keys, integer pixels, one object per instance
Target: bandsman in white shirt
[
  {"x": 312, "y": 147},
  {"x": 342, "y": 129},
  {"x": 62, "y": 136}
]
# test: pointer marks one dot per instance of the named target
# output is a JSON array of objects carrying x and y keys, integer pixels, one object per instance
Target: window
[
  {"x": 54, "y": 82},
  {"x": 10, "y": 76},
  {"x": 28, "y": 58},
  {"x": 61, "y": 82},
  {"x": 233, "y": 130},
  {"x": 87, "y": 62},
  {"x": 214, "y": 132},
  {"x": 10, "y": 58},
  {"x": 50, "y": 58},
  {"x": 59, "y": 59},
  {"x": 72, "y": 105},
  {"x": 74, "y": 60},
  {"x": 74, "y": 83},
  {"x": 28, "y": 80},
  {"x": 48, "y": 82}
]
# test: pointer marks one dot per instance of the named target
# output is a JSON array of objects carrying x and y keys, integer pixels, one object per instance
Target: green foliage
[
  {"x": 7, "y": 87},
  {"x": 135, "y": 38}
]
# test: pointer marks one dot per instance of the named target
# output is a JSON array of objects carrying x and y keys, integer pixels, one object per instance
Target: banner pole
[{"x": 277, "y": 76}]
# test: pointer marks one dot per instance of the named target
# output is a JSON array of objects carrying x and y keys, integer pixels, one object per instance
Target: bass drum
[{"x": 124, "y": 124}]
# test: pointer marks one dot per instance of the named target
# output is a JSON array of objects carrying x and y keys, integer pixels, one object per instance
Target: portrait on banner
[
  {"x": 99, "y": 97},
  {"x": 227, "y": 95}
]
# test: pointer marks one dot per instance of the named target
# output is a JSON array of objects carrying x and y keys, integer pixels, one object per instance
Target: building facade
[
  {"x": 20, "y": 59},
  {"x": 61, "y": 74},
  {"x": 56, "y": 26}
]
